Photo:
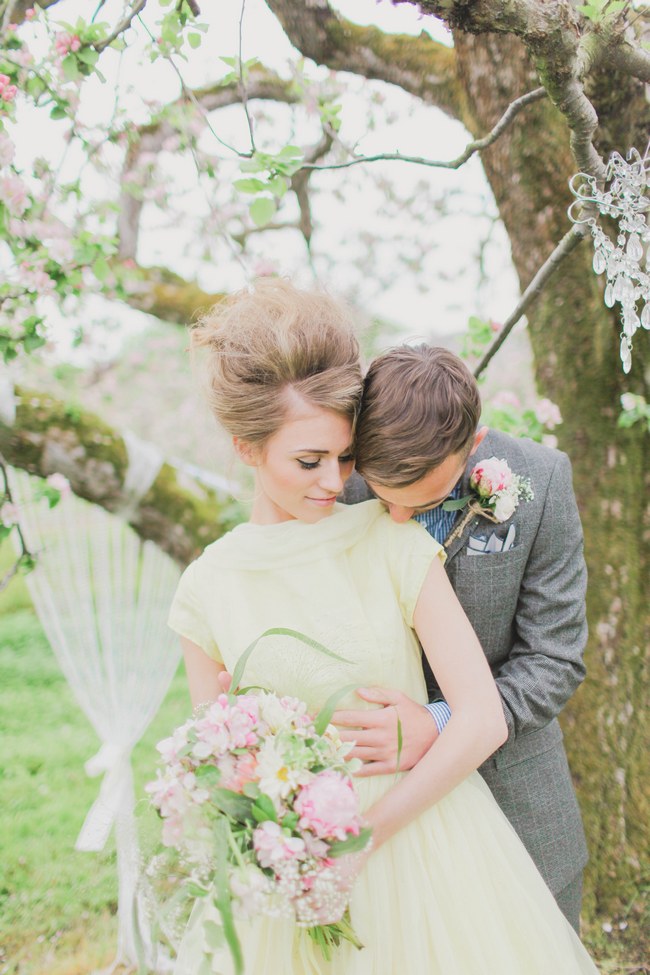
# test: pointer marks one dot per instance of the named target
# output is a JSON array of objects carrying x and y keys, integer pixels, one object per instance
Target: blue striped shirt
[{"x": 438, "y": 523}]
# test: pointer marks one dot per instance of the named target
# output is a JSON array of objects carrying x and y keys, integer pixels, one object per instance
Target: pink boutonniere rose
[{"x": 496, "y": 493}]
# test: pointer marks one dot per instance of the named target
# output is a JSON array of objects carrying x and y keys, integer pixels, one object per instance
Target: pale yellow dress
[{"x": 454, "y": 892}]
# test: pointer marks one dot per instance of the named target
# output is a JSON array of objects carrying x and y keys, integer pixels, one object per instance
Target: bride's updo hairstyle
[{"x": 261, "y": 342}]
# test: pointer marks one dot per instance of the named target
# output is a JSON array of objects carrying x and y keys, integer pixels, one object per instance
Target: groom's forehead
[{"x": 429, "y": 490}]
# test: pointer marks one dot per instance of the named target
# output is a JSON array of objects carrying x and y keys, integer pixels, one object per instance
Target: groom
[{"x": 521, "y": 582}]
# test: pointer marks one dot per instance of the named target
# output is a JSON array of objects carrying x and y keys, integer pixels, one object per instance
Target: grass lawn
[{"x": 57, "y": 906}]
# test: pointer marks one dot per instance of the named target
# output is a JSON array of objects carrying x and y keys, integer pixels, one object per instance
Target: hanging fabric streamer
[{"x": 102, "y": 596}]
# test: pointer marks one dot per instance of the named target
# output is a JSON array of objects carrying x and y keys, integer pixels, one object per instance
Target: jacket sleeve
[{"x": 546, "y": 665}]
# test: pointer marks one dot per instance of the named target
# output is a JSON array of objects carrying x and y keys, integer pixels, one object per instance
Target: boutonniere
[{"x": 496, "y": 493}]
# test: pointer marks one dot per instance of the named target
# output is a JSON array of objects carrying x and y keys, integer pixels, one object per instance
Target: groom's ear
[
  {"x": 247, "y": 452},
  {"x": 481, "y": 434}
]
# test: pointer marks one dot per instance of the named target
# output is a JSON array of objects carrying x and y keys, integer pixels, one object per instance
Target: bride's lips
[{"x": 323, "y": 502}]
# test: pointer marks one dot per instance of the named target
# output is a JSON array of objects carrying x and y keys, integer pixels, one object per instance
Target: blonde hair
[{"x": 261, "y": 342}]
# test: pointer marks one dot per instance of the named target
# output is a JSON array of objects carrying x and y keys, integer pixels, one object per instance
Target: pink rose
[
  {"x": 490, "y": 476},
  {"x": 329, "y": 806},
  {"x": 9, "y": 93}
]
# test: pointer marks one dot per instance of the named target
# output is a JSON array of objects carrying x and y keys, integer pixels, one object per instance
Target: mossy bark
[
  {"x": 575, "y": 343},
  {"x": 48, "y": 436}
]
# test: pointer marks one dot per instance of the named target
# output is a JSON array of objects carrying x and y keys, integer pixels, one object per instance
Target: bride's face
[{"x": 302, "y": 467}]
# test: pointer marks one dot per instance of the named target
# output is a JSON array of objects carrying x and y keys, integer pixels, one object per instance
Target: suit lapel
[{"x": 460, "y": 540}]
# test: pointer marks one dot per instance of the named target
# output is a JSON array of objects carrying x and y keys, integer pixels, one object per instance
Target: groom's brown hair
[{"x": 420, "y": 404}]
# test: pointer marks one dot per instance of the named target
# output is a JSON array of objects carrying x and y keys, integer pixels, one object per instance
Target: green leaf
[
  {"x": 70, "y": 68},
  {"x": 195, "y": 890},
  {"x": 250, "y": 185},
  {"x": 278, "y": 186},
  {"x": 194, "y": 40},
  {"x": 455, "y": 504},
  {"x": 208, "y": 772},
  {"x": 400, "y": 743},
  {"x": 262, "y": 210},
  {"x": 222, "y": 898},
  {"x": 263, "y": 809},
  {"x": 324, "y": 716},
  {"x": 232, "y": 804},
  {"x": 280, "y": 631},
  {"x": 101, "y": 269},
  {"x": 353, "y": 844},
  {"x": 88, "y": 55},
  {"x": 290, "y": 821}
]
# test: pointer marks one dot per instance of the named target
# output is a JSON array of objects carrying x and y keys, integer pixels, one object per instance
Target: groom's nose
[{"x": 399, "y": 513}]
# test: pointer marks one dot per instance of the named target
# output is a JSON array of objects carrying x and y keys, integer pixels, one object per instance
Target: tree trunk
[{"x": 575, "y": 342}]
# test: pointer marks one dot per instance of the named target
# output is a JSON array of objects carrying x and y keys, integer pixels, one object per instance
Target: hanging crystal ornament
[{"x": 623, "y": 198}]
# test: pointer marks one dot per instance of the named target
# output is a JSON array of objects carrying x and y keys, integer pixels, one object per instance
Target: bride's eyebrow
[{"x": 321, "y": 453}]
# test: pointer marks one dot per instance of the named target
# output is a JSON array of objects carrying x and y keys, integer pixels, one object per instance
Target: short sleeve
[
  {"x": 187, "y": 615},
  {"x": 412, "y": 553}
]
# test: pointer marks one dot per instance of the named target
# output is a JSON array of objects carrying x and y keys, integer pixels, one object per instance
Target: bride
[{"x": 447, "y": 886}]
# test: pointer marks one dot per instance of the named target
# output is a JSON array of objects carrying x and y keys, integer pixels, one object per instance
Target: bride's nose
[{"x": 332, "y": 479}]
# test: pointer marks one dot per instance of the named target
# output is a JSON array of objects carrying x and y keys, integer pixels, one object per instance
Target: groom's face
[
  {"x": 402, "y": 503},
  {"x": 431, "y": 490}
]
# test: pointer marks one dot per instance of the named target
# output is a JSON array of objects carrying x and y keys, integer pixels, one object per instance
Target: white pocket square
[{"x": 491, "y": 545}]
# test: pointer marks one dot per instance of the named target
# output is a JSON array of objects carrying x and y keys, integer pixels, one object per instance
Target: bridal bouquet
[{"x": 256, "y": 797}]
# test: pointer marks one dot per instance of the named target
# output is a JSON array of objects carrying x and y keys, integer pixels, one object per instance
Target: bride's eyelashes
[{"x": 308, "y": 465}]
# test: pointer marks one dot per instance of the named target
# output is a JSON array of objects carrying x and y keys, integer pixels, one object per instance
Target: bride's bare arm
[
  {"x": 202, "y": 673},
  {"x": 477, "y": 726}
]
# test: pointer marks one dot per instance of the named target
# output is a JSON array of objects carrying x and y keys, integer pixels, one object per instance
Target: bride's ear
[{"x": 246, "y": 452}]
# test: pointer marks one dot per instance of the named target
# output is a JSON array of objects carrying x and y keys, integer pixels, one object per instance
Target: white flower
[
  {"x": 628, "y": 402},
  {"x": 504, "y": 506}
]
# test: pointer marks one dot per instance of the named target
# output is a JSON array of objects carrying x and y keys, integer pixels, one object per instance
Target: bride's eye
[
  {"x": 308, "y": 465},
  {"x": 346, "y": 459}
]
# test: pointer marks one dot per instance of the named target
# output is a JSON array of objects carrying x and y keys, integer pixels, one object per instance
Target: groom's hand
[{"x": 376, "y": 731}]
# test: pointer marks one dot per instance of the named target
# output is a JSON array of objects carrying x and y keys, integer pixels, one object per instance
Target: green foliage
[
  {"x": 601, "y": 11},
  {"x": 635, "y": 410},
  {"x": 272, "y": 182}
]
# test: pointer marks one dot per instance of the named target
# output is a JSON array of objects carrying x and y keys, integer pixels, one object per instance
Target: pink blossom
[
  {"x": 60, "y": 483},
  {"x": 264, "y": 269},
  {"x": 13, "y": 193},
  {"x": 495, "y": 326},
  {"x": 30, "y": 14},
  {"x": 505, "y": 398},
  {"x": 548, "y": 413},
  {"x": 66, "y": 42},
  {"x": 4, "y": 80},
  {"x": 490, "y": 476},
  {"x": 329, "y": 806},
  {"x": 9, "y": 514},
  {"x": 9, "y": 93},
  {"x": 7, "y": 150},
  {"x": 272, "y": 845}
]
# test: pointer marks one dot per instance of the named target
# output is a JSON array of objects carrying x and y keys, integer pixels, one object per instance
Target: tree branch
[
  {"x": 568, "y": 244},
  {"x": 160, "y": 292},
  {"x": 47, "y": 437},
  {"x": 123, "y": 25},
  {"x": 472, "y": 147},
  {"x": 555, "y": 36},
  {"x": 419, "y": 65}
]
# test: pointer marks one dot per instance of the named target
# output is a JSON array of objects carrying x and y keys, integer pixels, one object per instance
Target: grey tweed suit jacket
[{"x": 527, "y": 606}]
